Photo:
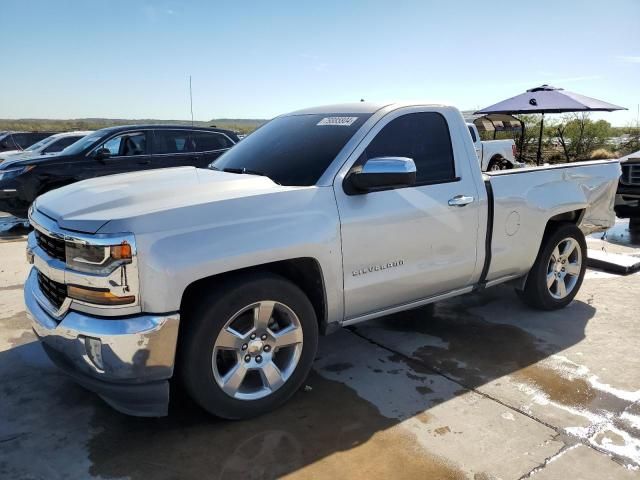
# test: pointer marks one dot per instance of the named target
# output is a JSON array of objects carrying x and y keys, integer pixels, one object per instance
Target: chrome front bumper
[{"x": 127, "y": 361}]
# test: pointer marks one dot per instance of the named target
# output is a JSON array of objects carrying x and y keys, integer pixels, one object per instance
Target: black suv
[
  {"x": 108, "y": 151},
  {"x": 20, "y": 140}
]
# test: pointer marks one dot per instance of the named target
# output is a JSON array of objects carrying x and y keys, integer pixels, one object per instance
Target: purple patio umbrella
[{"x": 548, "y": 99}]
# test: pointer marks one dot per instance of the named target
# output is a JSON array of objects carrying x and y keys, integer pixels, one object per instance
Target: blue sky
[{"x": 256, "y": 59}]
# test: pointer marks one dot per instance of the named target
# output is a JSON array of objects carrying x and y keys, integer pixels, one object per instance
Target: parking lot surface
[{"x": 477, "y": 387}]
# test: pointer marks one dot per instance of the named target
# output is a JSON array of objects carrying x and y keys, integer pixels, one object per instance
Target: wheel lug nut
[
  {"x": 263, "y": 336},
  {"x": 253, "y": 336},
  {"x": 244, "y": 346},
  {"x": 258, "y": 359},
  {"x": 267, "y": 348},
  {"x": 247, "y": 358}
]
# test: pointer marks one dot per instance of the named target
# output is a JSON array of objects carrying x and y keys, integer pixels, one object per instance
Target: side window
[
  {"x": 423, "y": 137},
  {"x": 127, "y": 144},
  {"x": 60, "y": 145},
  {"x": 473, "y": 134},
  {"x": 207, "y": 141},
  {"x": 170, "y": 141}
]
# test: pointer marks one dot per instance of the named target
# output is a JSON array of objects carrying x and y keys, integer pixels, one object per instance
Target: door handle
[{"x": 460, "y": 200}]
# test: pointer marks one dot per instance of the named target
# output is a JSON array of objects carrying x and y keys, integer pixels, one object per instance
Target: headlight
[
  {"x": 97, "y": 259},
  {"x": 14, "y": 172},
  {"x": 98, "y": 296}
]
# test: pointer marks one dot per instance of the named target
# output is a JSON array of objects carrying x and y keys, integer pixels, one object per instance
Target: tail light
[{"x": 513, "y": 150}]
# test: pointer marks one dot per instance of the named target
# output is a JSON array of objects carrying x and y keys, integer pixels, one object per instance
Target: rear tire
[
  {"x": 498, "y": 163},
  {"x": 249, "y": 346},
  {"x": 558, "y": 271}
]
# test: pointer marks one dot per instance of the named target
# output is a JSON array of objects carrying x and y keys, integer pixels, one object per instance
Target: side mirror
[
  {"x": 384, "y": 172},
  {"x": 102, "y": 154}
]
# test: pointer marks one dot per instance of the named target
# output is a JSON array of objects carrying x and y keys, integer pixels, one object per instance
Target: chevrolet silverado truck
[
  {"x": 224, "y": 278},
  {"x": 494, "y": 155}
]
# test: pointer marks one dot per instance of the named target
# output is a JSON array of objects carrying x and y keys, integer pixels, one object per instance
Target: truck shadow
[{"x": 364, "y": 382}]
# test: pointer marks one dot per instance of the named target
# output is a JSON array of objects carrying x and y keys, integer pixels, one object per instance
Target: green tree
[{"x": 580, "y": 136}]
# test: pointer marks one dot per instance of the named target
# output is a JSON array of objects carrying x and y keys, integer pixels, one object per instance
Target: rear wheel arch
[
  {"x": 497, "y": 160},
  {"x": 534, "y": 289},
  {"x": 570, "y": 217}
]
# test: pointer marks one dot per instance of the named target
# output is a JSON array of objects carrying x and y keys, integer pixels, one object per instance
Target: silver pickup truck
[{"x": 223, "y": 278}]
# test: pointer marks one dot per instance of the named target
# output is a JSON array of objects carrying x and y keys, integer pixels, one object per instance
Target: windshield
[
  {"x": 83, "y": 143},
  {"x": 293, "y": 150},
  {"x": 41, "y": 144}
]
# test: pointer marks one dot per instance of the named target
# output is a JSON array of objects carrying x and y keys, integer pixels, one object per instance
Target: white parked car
[
  {"x": 321, "y": 218},
  {"x": 494, "y": 154},
  {"x": 52, "y": 144}
]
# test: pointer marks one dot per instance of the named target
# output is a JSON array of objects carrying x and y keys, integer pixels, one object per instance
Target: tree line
[{"x": 573, "y": 137}]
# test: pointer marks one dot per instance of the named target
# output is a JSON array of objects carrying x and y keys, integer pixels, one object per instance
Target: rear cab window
[{"x": 473, "y": 134}]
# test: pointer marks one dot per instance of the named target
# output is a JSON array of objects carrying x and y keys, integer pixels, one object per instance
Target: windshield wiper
[{"x": 246, "y": 171}]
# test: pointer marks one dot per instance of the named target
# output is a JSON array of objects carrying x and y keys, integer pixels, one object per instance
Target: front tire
[
  {"x": 249, "y": 346},
  {"x": 557, "y": 274}
]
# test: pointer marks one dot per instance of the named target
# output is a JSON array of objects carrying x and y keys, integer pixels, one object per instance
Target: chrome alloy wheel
[
  {"x": 257, "y": 350},
  {"x": 564, "y": 268}
]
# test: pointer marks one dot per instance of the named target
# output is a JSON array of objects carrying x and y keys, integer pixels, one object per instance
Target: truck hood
[{"x": 88, "y": 205}]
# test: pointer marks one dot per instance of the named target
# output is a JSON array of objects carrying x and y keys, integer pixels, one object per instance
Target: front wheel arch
[{"x": 198, "y": 358}]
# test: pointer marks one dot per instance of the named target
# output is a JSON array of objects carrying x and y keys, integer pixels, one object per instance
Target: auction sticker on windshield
[{"x": 338, "y": 121}]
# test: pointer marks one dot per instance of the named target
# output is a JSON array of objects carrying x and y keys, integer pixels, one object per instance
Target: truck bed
[{"x": 523, "y": 198}]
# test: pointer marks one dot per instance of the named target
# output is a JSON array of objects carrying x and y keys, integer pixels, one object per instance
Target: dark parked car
[
  {"x": 20, "y": 140},
  {"x": 105, "y": 152}
]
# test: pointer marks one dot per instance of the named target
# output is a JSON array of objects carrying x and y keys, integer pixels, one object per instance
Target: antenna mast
[{"x": 191, "y": 99}]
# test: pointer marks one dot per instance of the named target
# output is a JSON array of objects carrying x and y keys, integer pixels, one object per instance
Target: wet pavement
[{"x": 478, "y": 387}]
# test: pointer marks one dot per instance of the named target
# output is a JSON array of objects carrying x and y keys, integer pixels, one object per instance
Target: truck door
[{"x": 405, "y": 244}]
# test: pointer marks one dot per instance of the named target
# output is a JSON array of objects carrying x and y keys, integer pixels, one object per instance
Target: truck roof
[
  {"x": 357, "y": 107},
  {"x": 118, "y": 128}
]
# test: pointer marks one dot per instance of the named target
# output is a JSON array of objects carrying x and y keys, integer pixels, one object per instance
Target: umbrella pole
[
  {"x": 521, "y": 140},
  {"x": 539, "y": 155}
]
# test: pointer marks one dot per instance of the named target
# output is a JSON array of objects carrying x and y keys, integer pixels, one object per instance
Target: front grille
[
  {"x": 630, "y": 174},
  {"x": 53, "y": 246},
  {"x": 54, "y": 291}
]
